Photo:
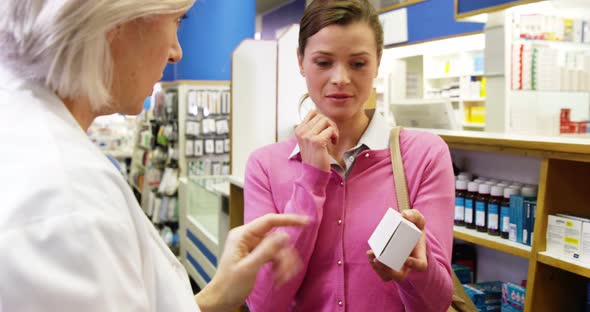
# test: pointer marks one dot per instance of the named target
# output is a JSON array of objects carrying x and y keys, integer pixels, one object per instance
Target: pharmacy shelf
[
  {"x": 473, "y": 99},
  {"x": 493, "y": 242},
  {"x": 452, "y": 75},
  {"x": 443, "y": 76},
  {"x": 474, "y": 125},
  {"x": 565, "y": 264},
  {"x": 466, "y": 99},
  {"x": 555, "y": 44}
]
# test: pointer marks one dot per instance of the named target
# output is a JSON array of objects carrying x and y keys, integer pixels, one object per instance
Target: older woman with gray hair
[{"x": 72, "y": 236}]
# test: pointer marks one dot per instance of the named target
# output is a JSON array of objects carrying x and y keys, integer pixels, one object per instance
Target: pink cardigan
[{"x": 337, "y": 275}]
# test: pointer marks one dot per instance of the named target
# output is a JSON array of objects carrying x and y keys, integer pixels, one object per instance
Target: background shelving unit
[
  {"x": 554, "y": 283},
  {"x": 530, "y": 111},
  {"x": 451, "y": 69}
]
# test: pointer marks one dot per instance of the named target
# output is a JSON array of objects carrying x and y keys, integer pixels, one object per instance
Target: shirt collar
[{"x": 375, "y": 137}]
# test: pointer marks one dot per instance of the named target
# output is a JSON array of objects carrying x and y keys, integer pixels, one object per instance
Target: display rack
[
  {"x": 141, "y": 146},
  {"x": 154, "y": 165},
  {"x": 564, "y": 166},
  {"x": 528, "y": 99},
  {"x": 204, "y": 123}
]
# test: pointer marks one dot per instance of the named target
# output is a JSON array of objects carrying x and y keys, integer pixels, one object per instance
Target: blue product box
[
  {"x": 527, "y": 229},
  {"x": 487, "y": 294},
  {"x": 516, "y": 218},
  {"x": 532, "y": 224},
  {"x": 463, "y": 273},
  {"x": 513, "y": 297}
]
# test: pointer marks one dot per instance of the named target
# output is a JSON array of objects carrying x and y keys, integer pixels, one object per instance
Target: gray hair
[{"x": 63, "y": 43}]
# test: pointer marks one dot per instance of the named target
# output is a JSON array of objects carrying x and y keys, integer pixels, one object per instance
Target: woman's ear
[{"x": 300, "y": 61}]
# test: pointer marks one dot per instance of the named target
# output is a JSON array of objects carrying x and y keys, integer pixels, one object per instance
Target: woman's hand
[
  {"x": 314, "y": 135},
  {"x": 247, "y": 248},
  {"x": 417, "y": 260}
]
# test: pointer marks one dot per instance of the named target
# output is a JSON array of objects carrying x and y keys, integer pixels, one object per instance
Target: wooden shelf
[
  {"x": 563, "y": 263},
  {"x": 493, "y": 242},
  {"x": 573, "y": 149}
]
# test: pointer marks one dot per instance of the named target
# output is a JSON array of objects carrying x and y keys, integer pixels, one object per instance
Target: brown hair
[{"x": 322, "y": 13}]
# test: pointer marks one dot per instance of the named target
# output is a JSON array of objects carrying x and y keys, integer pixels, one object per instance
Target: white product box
[
  {"x": 394, "y": 239},
  {"x": 585, "y": 256},
  {"x": 555, "y": 234},
  {"x": 564, "y": 236},
  {"x": 584, "y": 248}
]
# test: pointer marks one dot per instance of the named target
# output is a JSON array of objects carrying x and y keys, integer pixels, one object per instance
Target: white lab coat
[{"x": 72, "y": 235}]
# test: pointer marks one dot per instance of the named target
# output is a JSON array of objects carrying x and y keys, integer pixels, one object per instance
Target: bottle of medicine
[
  {"x": 494, "y": 210},
  {"x": 481, "y": 207},
  {"x": 465, "y": 176},
  {"x": 505, "y": 211},
  {"x": 460, "y": 192},
  {"x": 472, "y": 188}
]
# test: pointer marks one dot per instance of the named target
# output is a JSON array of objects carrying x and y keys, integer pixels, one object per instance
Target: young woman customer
[{"x": 336, "y": 170}]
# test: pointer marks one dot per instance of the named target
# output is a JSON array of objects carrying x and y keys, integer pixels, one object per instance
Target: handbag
[{"x": 461, "y": 301}]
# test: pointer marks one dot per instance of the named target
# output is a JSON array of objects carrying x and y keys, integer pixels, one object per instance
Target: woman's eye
[
  {"x": 358, "y": 64},
  {"x": 323, "y": 63}
]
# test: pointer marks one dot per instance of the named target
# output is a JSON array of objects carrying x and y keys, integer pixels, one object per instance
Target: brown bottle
[
  {"x": 494, "y": 210},
  {"x": 470, "y": 204},
  {"x": 481, "y": 207},
  {"x": 460, "y": 192}
]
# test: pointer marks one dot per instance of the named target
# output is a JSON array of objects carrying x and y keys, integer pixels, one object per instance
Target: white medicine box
[
  {"x": 564, "y": 236},
  {"x": 394, "y": 239}
]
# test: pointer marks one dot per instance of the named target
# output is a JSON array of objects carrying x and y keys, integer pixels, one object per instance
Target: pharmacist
[{"x": 72, "y": 236}]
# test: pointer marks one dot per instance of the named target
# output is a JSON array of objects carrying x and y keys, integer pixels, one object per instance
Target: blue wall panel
[
  {"x": 169, "y": 72},
  {"x": 286, "y": 15},
  {"x": 213, "y": 29},
  {"x": 434, "y": 19},
  {"x": 466, "y": 6}
]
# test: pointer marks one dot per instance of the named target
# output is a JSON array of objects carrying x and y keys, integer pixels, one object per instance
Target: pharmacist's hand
[
  {"x": 314, "y": 135},
  {"x": 247, "y": 248},
  {"x": 417, "y": 260}
]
